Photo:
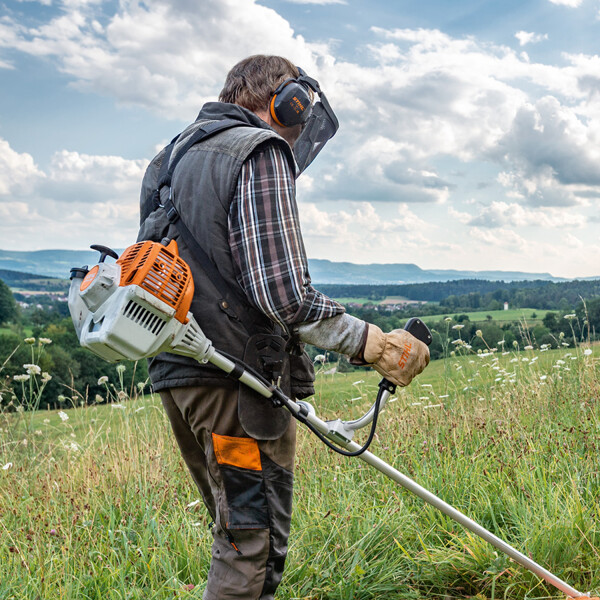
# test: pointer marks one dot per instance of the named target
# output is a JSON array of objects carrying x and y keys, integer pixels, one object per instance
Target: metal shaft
[{"x": 406, "y": 482}]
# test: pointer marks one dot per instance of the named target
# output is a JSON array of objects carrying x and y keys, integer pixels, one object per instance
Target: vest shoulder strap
[{"x": 230, "y": 301}]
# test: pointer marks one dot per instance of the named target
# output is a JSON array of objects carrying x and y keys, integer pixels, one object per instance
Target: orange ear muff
[
  {"x": 274, "y": 112},
  {"x": 290, "y": 104}
]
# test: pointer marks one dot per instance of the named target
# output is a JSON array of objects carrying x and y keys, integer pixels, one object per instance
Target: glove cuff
[{"x": 374, "y": 345}]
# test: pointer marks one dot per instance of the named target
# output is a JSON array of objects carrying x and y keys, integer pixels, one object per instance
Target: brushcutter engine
[{"x": 138, "y": 306}]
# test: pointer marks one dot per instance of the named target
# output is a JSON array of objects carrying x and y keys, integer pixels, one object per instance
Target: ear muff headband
[{"x": 291, "y": 103}]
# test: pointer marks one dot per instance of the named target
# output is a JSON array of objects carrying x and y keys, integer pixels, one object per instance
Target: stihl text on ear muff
[{"x": 291, "y": 102}]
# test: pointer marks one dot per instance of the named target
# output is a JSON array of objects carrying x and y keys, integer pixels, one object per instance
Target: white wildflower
[
  {"x": 46, "y": 377},
  {"x": 479, "y": 333},
  {"x": 7, "y": 466},
  {"x": 63, "y": 416},
  {"x": 587, "y": 351},
  {"x": 45, "y": 341},
  {"x": 194, "y": 503},
  {"x": 29, "y": 340},
  {"x": 103, "y": 380},
  {"x": 21, "y": 377},
  {"x": 501, "y": 342},
  {"x": 458, "y": 326},
  {"x": 99, "y": 399},
  {"x": 121, "y": 406},
  {"x": 448, "y": 319},
  {"x": 32, "y": 369},
  {"x": 121, "y": 368},
  {"x": 528, "y": 347},
  {"x": 320, "y": 358},
  {"x": 570, "y": 316}
]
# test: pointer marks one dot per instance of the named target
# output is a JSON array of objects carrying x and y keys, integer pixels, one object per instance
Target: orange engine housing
[{"x": 159, "y": 270}]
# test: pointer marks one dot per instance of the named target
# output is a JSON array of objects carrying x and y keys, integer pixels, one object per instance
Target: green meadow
[
  {"x": 529, "y": 315},
  {"x": 95, "y": 502}
]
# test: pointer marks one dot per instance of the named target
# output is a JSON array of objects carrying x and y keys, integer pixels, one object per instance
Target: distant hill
[
  {"x": 52, "y": 263},
  {"x": 58, "y": 263},
  {"x": 30, "y": 281},
  {"x": 325, "y": 271}
]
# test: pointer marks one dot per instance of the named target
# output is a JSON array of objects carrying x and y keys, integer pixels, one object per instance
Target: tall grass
[{"x": 100, "y": 506}]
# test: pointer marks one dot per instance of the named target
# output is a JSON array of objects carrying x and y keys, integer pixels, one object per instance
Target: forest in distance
[{"x": 462, "y": 309}]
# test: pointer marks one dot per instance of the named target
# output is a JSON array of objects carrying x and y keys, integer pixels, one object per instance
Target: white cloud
[
  {"x": 526, "y": 37},
  {"x": 18, "y": 172},
  {"x": 317, "y": 1},
  {"x": 86, "y": 178},
  {"x": 504, "y": 214},
  {"x": 361, "y": 231},
  {"x": 77, "y": 197},
  {"x": 161, "y": 55},
  {"x": 569, "y": 3}
]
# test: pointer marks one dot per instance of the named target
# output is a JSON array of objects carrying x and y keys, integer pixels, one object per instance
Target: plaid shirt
[{"x": 266, "y": 243}]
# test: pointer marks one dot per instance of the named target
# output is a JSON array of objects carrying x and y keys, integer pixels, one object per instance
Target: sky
[{"x": 469, "y": 131}]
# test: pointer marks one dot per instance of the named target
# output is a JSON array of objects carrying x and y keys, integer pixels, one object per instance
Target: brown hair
[{"x": 252, "y": 81}]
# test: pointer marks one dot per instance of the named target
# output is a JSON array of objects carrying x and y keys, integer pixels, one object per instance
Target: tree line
[
  {"x": 477, "y": 293},
  {"x": 78, "y": 376}
]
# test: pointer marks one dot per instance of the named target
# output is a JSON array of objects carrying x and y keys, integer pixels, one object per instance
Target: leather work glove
[{"x": 397, "y": 355}]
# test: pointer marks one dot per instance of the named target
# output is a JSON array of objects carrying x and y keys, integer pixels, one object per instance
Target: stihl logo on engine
[{"x": 404, "y": 356}]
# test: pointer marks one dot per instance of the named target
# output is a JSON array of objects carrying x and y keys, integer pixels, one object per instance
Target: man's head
[{"x": 251, "y": 84}]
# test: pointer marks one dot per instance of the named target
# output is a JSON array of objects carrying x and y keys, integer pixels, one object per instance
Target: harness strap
[{"x": 231, "y": 301}]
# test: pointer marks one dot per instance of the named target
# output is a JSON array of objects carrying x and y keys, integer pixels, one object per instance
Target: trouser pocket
[{"x": 240, "y": 465}]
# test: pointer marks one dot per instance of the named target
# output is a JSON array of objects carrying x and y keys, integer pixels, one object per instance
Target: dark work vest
[{"x": 203, "y": 186}]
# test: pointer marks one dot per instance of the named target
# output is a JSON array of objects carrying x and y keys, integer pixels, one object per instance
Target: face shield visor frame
[{"x": 320, "y": 126}]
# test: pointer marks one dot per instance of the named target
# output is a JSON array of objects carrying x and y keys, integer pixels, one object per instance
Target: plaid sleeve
[{"x": 266, "y": 243}]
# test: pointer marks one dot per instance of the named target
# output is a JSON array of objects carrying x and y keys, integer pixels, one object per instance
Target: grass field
[
  {"x": 513, "y": 314},
  {"x": 100, "y": 506}
]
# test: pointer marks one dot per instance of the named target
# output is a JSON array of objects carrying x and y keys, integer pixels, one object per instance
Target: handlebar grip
[{"x": 415, "y": 327}]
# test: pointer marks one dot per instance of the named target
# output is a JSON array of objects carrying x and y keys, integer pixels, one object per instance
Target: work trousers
[{"x": 246, "y": 485}]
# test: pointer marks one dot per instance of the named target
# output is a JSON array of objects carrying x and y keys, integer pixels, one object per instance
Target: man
[{"x": 235, "y": 192}]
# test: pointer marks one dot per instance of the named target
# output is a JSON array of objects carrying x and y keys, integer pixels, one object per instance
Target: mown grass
[{"x": 101, "y": 506}]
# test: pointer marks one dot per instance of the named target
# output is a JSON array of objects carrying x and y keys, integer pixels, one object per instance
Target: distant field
[
  {"x": 386, "y": 300},
  {"x": 516, "y": 314}
]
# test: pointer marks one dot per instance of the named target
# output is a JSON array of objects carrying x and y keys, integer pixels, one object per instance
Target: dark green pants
[{"x": 246, "y": 486}]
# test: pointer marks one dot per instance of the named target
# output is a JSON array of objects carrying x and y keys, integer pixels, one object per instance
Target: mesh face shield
[{"x": 318, "y": 129}]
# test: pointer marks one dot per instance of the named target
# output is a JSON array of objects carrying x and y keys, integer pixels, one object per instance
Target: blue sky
[{"x": 469, "y": 138}]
